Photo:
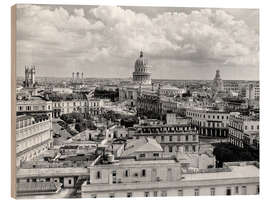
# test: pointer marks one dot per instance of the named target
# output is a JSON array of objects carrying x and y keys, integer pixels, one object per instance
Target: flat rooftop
[
  {"x": 50, "y": 172},
  {"x": 245, "y": 171}
]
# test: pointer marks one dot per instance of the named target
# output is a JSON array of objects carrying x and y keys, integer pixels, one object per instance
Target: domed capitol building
[{"x": 141, "y": 74}]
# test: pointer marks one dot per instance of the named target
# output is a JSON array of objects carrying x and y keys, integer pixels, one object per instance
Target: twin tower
[{"x": 30, "y": 72}]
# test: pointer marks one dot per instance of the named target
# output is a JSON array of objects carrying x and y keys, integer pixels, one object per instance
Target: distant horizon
[
  {"x": 59, "y": 77},
  {"x": 106, "y": 40}
]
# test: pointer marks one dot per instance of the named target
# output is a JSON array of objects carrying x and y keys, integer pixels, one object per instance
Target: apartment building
[
  {"x": 244, "y": 130},
  {"x": 172, "y": 138},
  {"x": 33, "y": 136},
  {"x": 213, "y": 123}
]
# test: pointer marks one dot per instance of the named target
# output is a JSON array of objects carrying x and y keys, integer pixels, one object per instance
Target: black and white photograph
[{"x": 135, "y": 101}]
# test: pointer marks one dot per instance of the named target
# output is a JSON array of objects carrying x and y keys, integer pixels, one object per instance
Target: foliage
[
  {"x": 230, "y": 153},
  {"x": 81, "y": 123}
]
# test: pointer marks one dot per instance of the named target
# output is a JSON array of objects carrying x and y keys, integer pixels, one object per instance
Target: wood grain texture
[{"x": 13, "y": 101}]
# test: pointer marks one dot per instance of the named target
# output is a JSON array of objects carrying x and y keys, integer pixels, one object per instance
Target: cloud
[{"x": 105, "y": 35}]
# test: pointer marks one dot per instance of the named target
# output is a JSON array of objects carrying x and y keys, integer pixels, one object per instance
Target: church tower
[{"x": 218, "y": 83}]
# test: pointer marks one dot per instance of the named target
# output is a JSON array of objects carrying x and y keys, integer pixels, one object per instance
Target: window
[
  {"x": 237, "y": 190},
  {"x": 194, "y": 137},
  {"x": 186, "y": 148},
  {"x": 186, "y": 137},
  {"x": 244, "y": 190},
  {"x": 228, "y": 191},
  {"x": 212, "y": 191},
  {"x": 142, "y": 155},
  {"x": 98, "y": 175},
  {"x": 170, "y": 149},
  {"x": 126, "y": 174},
  {"x": 155, "y": 193},
  {"x": 170, "y": 138},
  {"x": 180, "y": 192},
  {"x": 164, "y": 193},
  {"x": 217, "y": 117},
  {"x": 245, "y": 127},
  {"x": 258, "y": 127},
  {"x": 129, "y": 194},
  {"x": 146, "y": 194},
  {"x": 113, "y": 173},
  {"x": 143, "y": 173},
  {"x": 69, "y": 181},
  {"x": 194, "y": 148},
  {"x": 213, "y": 117},
  {"x": 162, "y": 138},
  {"x": 178, "y": 138},
  {"x": 258, "y": 189},
  {"x": 196, "y": 192},
  {"x": 252, "y": 127},
  {"x": 155, "y": 154},
  {"x": 111, "y": 195}
]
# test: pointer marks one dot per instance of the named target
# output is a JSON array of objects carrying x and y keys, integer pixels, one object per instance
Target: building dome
[{"x": 141, "y": 73}]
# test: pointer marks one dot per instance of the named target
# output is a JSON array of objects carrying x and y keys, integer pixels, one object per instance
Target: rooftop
[
  {"x": 236, "y": 171},
  {"x": 141, "y": 145}
]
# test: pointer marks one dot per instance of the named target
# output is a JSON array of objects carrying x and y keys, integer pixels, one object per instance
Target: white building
[
  {"x": 167, "y": 177},
  {"x": 33, "y": 136},
  {"x": 243, "y": 130},
  {"x": 209, "y": 122}
]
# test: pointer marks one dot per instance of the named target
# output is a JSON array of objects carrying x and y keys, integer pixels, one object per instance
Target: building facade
[
  {"x": 33, "y": 136},
  {"x": 213, "y": 123},
  {"x": 35, "y": 105},
  {"x": 174, "y": 139},
  {"x": 244, "y": 131},
  {"x": 160, "y": 178}
]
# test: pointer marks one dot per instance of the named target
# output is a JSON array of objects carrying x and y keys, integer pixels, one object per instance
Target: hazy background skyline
[{"x": 104, "y": 41}]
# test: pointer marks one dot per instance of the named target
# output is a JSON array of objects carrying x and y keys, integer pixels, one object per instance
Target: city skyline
[{"x": 103, "y": 41}]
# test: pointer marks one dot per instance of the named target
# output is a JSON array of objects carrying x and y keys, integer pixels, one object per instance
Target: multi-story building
[
  {"x": 174, "y": 139},
  {"x": 95, "y": 106},
  {"x": 212, "y": 123},
  {"x": 34, "y": 105},
  {"x": 243, "y": 130},
  {"x": 252, "y": 91},
  {"x": 231, "y": 86},
  {"x": 131, "y": 177},
  {"x": 69, "y": 106},
  {"x": 155, "y": 105},
  {"x": 33, "y": 136}
]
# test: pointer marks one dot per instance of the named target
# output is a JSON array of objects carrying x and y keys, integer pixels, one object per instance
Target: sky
[{"x": 105, "y": 41}]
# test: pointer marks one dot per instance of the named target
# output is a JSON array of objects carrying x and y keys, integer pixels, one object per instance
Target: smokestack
[{"x": 82, "y": 77}]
